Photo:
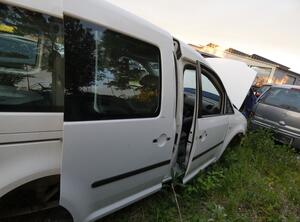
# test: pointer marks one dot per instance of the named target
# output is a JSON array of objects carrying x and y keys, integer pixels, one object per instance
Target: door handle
[
  {"x": 156, "y": 140},
  {"x": 161, "y": 140},
  {"x": 203, "y": 135}
]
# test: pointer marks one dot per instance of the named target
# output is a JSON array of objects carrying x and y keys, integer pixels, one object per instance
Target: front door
[
  {"x": 212, "y": 124},
  {"x": 119, "y": 120}
]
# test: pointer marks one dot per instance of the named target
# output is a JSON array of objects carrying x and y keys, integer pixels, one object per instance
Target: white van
[{"x": 99, "y": 108}]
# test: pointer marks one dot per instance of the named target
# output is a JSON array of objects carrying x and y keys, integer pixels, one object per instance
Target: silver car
[{"x": 279, "y": 109}]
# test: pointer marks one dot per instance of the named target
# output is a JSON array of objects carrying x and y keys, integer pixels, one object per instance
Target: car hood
[{"x": 236, "y": 76}]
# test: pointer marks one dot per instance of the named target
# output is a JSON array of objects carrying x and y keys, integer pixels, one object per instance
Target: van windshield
[{"x": 284, "y": 98}]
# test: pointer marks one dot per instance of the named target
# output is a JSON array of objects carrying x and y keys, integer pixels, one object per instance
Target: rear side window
[
  {"x": 211, "y": 97},
  {"x": 109, "y": 75},
  {"x": 31, "y": 61},
  {"x": 284, "y": 98}
]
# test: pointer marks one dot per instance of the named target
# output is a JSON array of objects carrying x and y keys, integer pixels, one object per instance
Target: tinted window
[
  {"x": 211, "y": 97},
  {"x": 109, "y": 75},
  {"x": 31, "y": 61},
  {"x": 229, "y": 109},
  {"x": 290, "y": 80},
  {"x": 284, "y": 98},
  {"x": 262, "y": 89}
]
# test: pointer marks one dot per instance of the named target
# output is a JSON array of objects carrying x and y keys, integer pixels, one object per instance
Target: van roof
[
  {"x": 115, "y": 17},
  {"x": 190, "y": 53},
  {"x": 108, "y": 15}
]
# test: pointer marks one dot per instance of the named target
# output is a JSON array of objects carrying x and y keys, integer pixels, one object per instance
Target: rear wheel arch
[
  {"x": 33, "y": 199},
  {"x": 22, "y": 163},
  {"x": 235, "y": 137}
]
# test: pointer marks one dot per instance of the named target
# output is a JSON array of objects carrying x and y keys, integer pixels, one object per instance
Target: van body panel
[
  {"x": 210, "y": 137},
  {"x": 110, "y": 16},
  {"x": 123, "y": 203},
  {"x": 30, "y": 142},
  {"x": 191, "y": 55},
  {"x": 12, "y": 123},
  {"x": 110, "y": 161},
  {"x": 24, "y": 162},
  {"x": 192, "y": 144},
  {"x": 236, "y": 76},
  {"x": 237, "y": 126},
  {"x": 106, "y": 150}
]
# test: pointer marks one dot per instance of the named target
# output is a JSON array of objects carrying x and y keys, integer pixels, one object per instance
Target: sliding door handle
[
  {"x": 161, "y": 140},
  {"x": 156, "y": 140}
]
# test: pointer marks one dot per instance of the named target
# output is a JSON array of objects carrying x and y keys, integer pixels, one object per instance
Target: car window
[
  {"x": 109, "y": 75},
  {"x": 211, "y": 97},
  {"x": 284, "y": 98},
  {"x": 190, "y": 80},
  {"x": 229, "y": 109},
  {"x": 31, "y": 61},
  {"x": 262, "y": 89},
  {"x": 190, "y": 89}
]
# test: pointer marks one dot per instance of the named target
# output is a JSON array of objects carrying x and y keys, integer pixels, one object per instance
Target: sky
[{"x": 270, "y": 28}]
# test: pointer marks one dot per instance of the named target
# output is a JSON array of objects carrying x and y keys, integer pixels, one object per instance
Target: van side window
[
  {"x": 109, "y": 75},
  {"x": 31, "y": 61},
  {"x": 211, "y": 97}
]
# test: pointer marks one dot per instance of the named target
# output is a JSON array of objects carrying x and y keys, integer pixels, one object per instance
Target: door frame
[
  {"x": 189, "y": 174},
  {"x": 192, "y": 139}
]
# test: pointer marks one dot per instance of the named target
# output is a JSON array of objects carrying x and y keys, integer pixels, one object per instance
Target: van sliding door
[{"x": 119, "y": 117}]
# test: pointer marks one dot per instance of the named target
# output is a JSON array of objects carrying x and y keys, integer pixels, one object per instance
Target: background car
[
  {"x": 279, "y": 109},
  {"x": 261, "y": 90}
]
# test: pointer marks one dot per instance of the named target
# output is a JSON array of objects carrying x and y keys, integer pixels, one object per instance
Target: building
[{"x": 268, "y": 71}]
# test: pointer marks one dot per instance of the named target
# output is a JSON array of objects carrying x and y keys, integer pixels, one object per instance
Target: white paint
[
  {"x": 97, "y": 150},
  {"x": 24, "y": 162},
  {"x": 236, "y": 76},
  {"x": 18, "y": 122}
]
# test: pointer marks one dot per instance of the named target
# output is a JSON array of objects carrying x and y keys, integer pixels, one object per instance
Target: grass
[{"x": 255, "y": 181}]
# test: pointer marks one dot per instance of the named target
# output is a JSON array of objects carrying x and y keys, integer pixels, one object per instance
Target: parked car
[
  {"x": 278, "y": 109},
  {"x": 127, "y": 110}
]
